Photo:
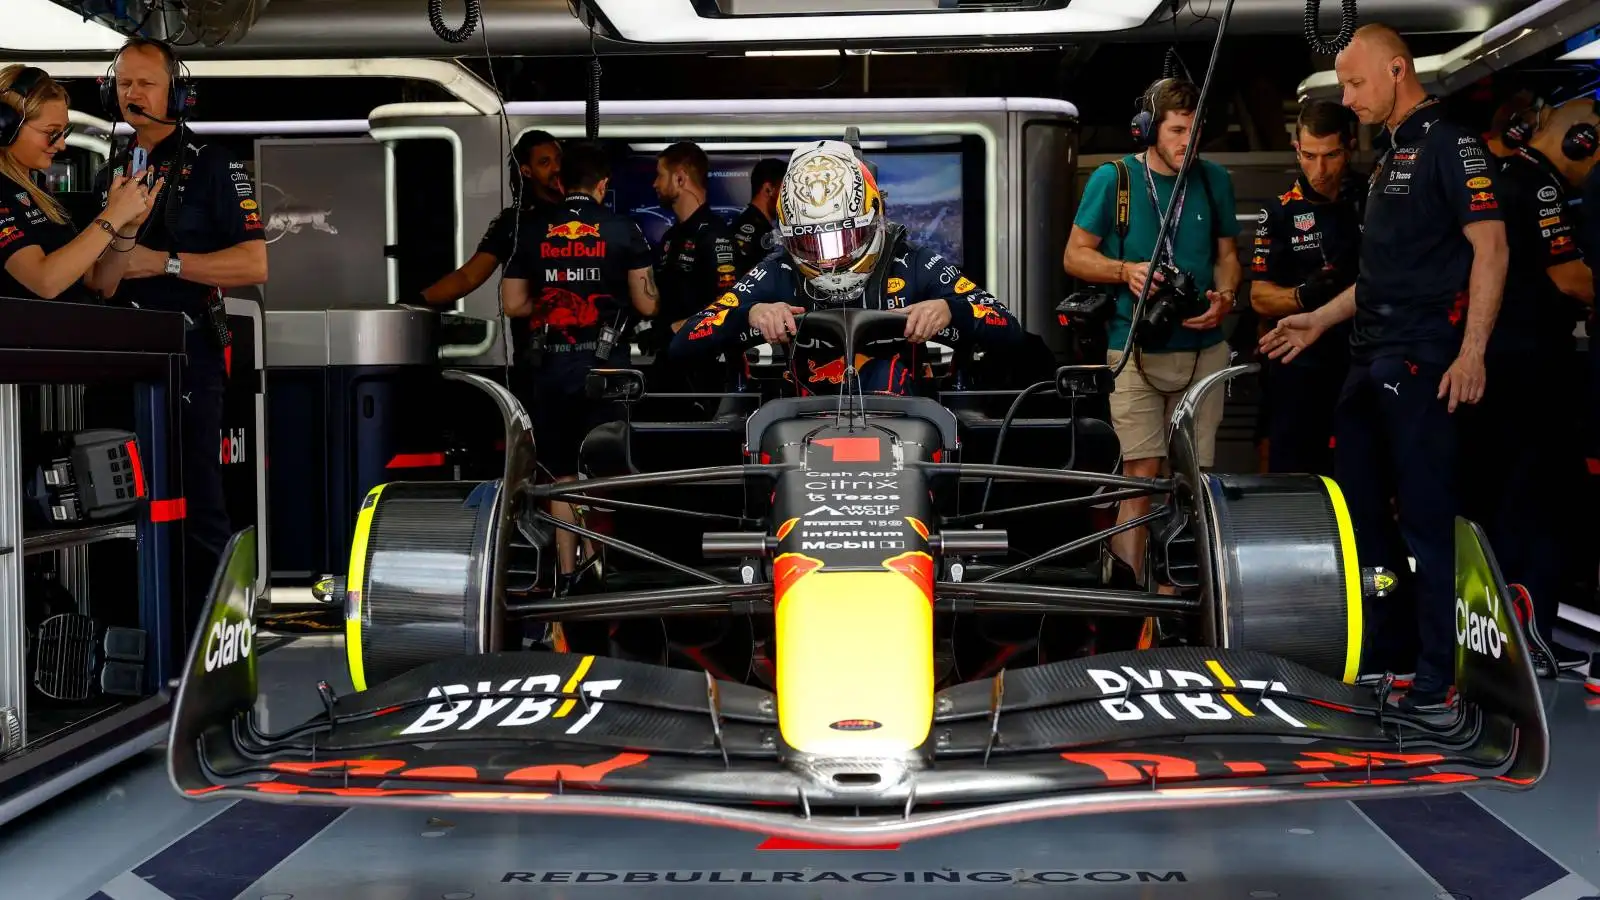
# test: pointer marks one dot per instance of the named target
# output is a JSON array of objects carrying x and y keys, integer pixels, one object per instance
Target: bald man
[
  {"x": 1523, "y": 450},
  {"x": 1433, "y": 264}
]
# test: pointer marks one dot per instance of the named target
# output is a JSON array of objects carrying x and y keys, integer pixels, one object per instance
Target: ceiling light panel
[
  {"x": 41, "y": 26},
  {"x": 676, "y": 21}
]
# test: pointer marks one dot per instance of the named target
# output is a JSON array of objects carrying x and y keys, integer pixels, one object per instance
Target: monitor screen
[{"x": 922, "y": 190}]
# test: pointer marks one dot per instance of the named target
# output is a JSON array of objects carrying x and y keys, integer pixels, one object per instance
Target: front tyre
[
  {"x": 1285, "y": 578},
  {"x": 421, "y": 583}
]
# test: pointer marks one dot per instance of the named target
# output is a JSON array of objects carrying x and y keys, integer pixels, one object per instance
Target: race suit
[{"x": 909, "y": 275}]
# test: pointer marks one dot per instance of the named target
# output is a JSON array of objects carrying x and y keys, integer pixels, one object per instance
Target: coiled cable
[
  {"x": 1347, "y": 27},
  {"x": 591, "y": 107},
  {"x": 454, "y": 35}
]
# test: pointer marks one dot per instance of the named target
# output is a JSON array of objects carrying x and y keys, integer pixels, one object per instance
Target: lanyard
[{"x": 1177, "y": 214}]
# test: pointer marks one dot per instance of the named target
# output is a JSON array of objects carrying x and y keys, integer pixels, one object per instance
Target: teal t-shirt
[{"x": 1193, "y": 239}]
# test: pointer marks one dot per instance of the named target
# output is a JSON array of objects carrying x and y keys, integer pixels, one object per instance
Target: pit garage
[{"x": 846, "y": 641}]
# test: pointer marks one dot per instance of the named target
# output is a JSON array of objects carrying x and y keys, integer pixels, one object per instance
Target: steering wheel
[{"x": 846, "y": 329}]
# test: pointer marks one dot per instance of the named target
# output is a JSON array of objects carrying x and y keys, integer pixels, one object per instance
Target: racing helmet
[{"x": 831, "y": 220}]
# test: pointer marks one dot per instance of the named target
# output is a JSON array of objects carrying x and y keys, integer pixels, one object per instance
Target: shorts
[
  {"x": 562, "y": 414},
  {"x": 1149, "y": 388}
]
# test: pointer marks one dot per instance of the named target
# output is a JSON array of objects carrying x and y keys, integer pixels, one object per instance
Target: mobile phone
[{"x": 137, "y": 162}]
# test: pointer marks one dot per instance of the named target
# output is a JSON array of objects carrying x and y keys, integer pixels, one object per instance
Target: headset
[
  {"x": 1146, "y": 125},
  {"x": 1582, "y": 139},
  {"x": 181, "y": 94},
  {"x": 11, "y": 119},
  {"x": 1144, "y": 128},
  {"x": 1578, "y": 144}
]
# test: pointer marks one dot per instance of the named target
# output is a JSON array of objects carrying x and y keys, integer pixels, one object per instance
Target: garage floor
[{"x": 128, "y": 836}]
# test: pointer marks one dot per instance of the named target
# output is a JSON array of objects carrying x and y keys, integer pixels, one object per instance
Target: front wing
[{"x": 557, "y": 733}]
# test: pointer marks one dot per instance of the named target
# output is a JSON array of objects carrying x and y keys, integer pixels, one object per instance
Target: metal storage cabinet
[{"x": 49, "y": 349}]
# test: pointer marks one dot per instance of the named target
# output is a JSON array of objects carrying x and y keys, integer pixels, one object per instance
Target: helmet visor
[{"x": 830, "y": 247}]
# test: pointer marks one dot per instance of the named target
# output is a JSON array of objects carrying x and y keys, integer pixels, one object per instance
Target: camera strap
[{"x": 1124, "y": 203}]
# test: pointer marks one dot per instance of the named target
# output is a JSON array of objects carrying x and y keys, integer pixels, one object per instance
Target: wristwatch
[{"x": 174, "y": 264}]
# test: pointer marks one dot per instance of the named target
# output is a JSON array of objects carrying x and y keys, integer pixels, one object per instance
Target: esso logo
[{"x": 228, "y": 643}]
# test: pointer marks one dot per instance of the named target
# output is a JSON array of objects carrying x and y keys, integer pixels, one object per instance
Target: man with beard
[
  {"x": 1307, "y": 249},
  {"x": 1113, "y": 242},
  {"x": 695, "y": 264},
  {"x": 753, "y": 237},
  {"x": 535, "y": 184},
  {"x": 1433, "y": 265},
  {"x": 577, "y": 270}
]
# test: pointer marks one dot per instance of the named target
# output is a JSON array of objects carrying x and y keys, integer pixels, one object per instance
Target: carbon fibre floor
[{"x": 127, "y": 836}]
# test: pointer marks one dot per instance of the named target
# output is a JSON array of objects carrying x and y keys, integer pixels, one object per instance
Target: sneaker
[
  {"x": 1569, "y": 659},
  {"x": 1545, "y": 659},
  {"x": 1401, "y": 682},
  {"x": 1425, "y": 702}
]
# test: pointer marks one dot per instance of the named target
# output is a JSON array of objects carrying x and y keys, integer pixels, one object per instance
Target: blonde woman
[{"x": 42, "y": 255}]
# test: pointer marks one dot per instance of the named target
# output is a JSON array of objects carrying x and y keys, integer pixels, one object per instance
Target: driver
[{"x": 840, "y": 251}]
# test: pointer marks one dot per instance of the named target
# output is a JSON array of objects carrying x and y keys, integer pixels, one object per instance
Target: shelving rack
[{"x": 59, "y": 349}]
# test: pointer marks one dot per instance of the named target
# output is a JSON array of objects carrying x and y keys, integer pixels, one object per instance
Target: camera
[
  {"x": 1173, "y": 298},
  {"x": 1086, "y": 307}
]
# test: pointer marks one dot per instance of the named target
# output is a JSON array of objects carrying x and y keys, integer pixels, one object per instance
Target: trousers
[
  {"x": 1522, "y": 461},
  {"x": 207, "y": 526},
  {"x": 1396, "y": 462},
  {"x": 1300, "y": 426}
]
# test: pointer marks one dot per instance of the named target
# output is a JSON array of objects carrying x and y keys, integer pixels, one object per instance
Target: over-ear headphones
[
  {"x": 180, "y": 93},
  {"x": 1145, "y": 125},
  {"x": 1522, "y": 126},
  {"x": 1583, "y": 139},
  {"x": 12, "y": 118},
  {"x": 1578, "y": 144}
]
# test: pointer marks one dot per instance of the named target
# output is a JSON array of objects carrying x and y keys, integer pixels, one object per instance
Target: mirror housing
[{"x": 626, "y": 385}]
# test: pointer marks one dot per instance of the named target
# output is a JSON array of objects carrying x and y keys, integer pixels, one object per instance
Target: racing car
[{"x": 854, "y": 654}]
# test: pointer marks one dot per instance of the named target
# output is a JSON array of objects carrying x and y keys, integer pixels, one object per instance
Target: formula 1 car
[{"x": 800, "y": 675}]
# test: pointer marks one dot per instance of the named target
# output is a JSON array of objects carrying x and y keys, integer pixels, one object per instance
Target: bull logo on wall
[{"x": 287, "y": 217}]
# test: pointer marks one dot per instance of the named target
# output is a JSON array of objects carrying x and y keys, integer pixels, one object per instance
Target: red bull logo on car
[
  {"x": 832, "y": 371},
  {"x": 789, "y": 568},
  {"x": 917, "y": 566}
]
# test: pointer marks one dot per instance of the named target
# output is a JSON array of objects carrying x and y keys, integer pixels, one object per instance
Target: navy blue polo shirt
[
  {"x": 1304, "y": 233},
  {"x": 216, "y": 209},
  {"x": 1416, "y": 262},
  {"x": 1535, "y": 316}
]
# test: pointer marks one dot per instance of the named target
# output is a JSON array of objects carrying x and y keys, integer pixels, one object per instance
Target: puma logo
[{"x": 1394, "y": 387}]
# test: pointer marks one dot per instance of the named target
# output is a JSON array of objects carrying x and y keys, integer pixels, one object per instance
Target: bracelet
[{"x": 106, "y": 226}]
